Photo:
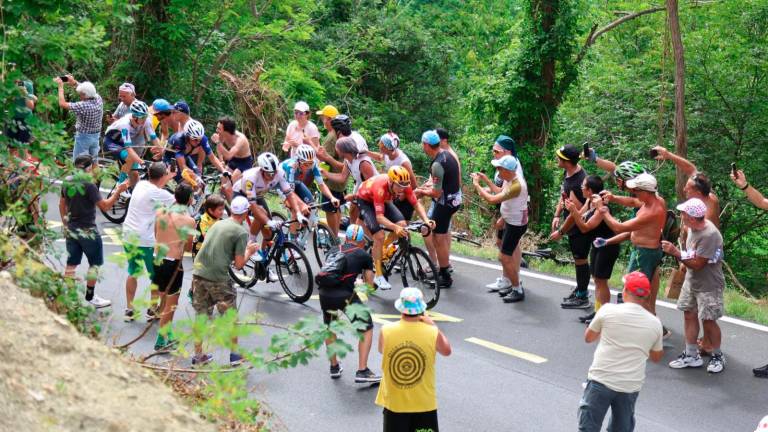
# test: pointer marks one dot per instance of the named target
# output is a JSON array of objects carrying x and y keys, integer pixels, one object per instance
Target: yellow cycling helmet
[{"x": 400, "y": 175}]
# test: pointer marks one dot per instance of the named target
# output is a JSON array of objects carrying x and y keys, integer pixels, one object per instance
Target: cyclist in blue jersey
[
  {"x": 190, "y": 148},
  {"x": 126, "y": 139}
]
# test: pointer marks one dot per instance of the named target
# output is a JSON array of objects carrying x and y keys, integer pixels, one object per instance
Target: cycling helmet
[
  {"x": 305, "y": 153},
  {"x": 268, "y": 162},
  {"x": 399, "y": 175},
  {"x": 161, "y": 105},
  {"x": 139, "y": 109},
  {"x": 342, "y": 123},
  {"x": 194, "y": 130},
  {"x": 355, "y": 233},
  {"x": 628, "y": 170},
  {"x": 390, "y": 140}
]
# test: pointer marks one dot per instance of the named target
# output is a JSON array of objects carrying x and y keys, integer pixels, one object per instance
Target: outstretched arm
[{"x": 686, "y": 166}]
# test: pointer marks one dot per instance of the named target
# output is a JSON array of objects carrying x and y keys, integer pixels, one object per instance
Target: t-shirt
[
  {"x": 140, "y": 220},
  {"x": 296, "y": 133},
  {"x": 224, "y": 241},
  {"x": 253, "y": 184},
  {"x": 573, "y": 184},
  {"x": 81, "y": 207},
  {"x": 707, "y": 243},
  {"x": 376, "y": 191},
  {"x": 21, "y": 111},
  {"x": 122, "y": 131},
  {"x": 514, "y": 209},
  {"x": 445, "y": 178},
  {"x": 89, "y": 114},
  {"x": 628, "y": 333},
  {"x": 358, "y": 260},
  {"x": 121, "y": 110}
]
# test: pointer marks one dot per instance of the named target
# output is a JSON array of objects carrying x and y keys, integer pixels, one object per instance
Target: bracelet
[{"x": 745, "y": 187}]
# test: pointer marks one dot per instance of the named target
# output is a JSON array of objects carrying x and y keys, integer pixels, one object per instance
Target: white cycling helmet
[
  {"x": 139, "y": 109},
  {"x": 305, "y": 153},
  {"x": 194, "y": 129},
  {"x": 268, "y": 162}
]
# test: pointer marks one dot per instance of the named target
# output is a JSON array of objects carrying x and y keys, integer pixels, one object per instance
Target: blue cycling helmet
[
  {"x": 161, "y": 105},
  {"x": 430, "y": 137},
  {"x": 355, "y": 233}
]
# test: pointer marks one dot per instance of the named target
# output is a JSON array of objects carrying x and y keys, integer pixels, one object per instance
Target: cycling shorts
[
  {"x": 328, "y": 207},
  {"x": 511, "y": 238},
  {"x": 368, "y": 215},
  {"x": 442, "y": 215}
]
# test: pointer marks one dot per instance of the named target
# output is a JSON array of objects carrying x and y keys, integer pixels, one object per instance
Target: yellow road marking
[
  {"x": 54, "y": 224},
  {"x": 378, "y": 320},
  {"x": 533, "y": 358},
  {"x": 436, "y": 316}
]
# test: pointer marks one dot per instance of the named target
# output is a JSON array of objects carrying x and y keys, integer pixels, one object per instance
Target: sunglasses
[{"x": 300, "y": 112}]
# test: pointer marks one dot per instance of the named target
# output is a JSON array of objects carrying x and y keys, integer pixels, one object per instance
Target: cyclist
[
  {"x": 356, "y": 164},
  {"x": 375, "y": 198},
  {"x": 190, "y": 149},
  {"x": 232, "y": 146},
  {"x": 126, "y": 137},
  {"x": 392, "y": 155}
]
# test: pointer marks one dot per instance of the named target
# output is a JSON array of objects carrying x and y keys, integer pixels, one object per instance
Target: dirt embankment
[{"x": 52, "y": 378}]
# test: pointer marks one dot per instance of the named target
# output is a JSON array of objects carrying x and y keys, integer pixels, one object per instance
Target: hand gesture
[
  {"x": 432, "y": 224},
  {"x": 400, "y": 231},
  {"x": 335, "y": 202},
  {"x": 740, "y": 179},
  {"x": 571, "y": 206},
  {"x": 599, "y": 242},
  {"x": 122, "y": 187},
  {"x": 669, "y": 248},
  {"x": 555, "y": 236},
  {"x": 607, "y": 196},
  {"x": 661, "y": 152}
]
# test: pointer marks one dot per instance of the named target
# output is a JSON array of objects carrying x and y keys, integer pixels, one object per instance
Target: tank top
[
  {"x": 399, "y": 160},
  {"x": 354, "y": 169},
  {"x": 451, "y": 182},
  {"x": 601, "y": 230},
  {"x": 408, "y": 367}
]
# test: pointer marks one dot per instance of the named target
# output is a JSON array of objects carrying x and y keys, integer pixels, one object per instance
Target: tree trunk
[{"x": 681, "y": 135}]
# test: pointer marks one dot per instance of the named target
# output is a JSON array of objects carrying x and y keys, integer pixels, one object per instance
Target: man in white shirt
[
  {"x": 139, "y": 231},
  {"x": 628, "y": 336}
]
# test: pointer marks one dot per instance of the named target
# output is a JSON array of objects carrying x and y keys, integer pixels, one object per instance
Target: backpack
[
  {"x": 333, "y": 272},
  {"x": 671, "y": 230}
]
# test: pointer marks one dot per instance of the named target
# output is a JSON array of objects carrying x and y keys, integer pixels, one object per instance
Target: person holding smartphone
[{"x": 89, "y": 112}]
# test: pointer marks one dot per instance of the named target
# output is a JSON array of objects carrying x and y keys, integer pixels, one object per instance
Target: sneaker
[
  {"x": 201, "y": 359},
  {"x": 444, "y": 279},
  {"x": 272, "y": 276},
  {"x": 366, "y": 376},
  {"x": 586, "y": 319},
  {"x": 761, "y": 372},
  {"x": 666, "y": 333},
  {"x": 128, "y": 317},
  {"x": 716, "y": 363},
  {"x": 686, "y": 361},
  {"x": 235, "y": 359},
  {"x": 336, "y": 371},
  {"x": 515, "y": 296},
  {"x": 571, "y": 296},
  {"x": 381, "y": 282},
  {"x": 575, "y": 303},
  {"x": 500, "y": 284},
  {"x": 99, "y": 302},
  {"x": 151, "y": 315},
  {"x": 450, "y": 268}
]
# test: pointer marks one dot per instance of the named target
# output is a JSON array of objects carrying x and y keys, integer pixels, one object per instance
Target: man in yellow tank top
[{"x": 407, "y": 391}]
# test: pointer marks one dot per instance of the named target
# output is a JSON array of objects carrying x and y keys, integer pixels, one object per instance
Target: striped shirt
[{"x": 89, "y": 114}]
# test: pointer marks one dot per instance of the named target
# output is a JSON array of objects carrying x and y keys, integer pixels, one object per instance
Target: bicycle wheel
[
  {"x": 294, "y": 272},
  {"x": 247, "y": 276},
  {"x": 418, "y": 271},
  {"x": 323, "y": 240},
  {"x": 108, "y": 187}
]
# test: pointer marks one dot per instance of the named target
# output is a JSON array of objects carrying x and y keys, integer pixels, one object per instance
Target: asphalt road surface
[{"x": 514, "y": 367}]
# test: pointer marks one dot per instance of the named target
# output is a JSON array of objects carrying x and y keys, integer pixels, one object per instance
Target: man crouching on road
[
  {"x": 407, "y": 391},
  {"x": 628, "y": 335},
  {"x": 225, "y": 244}
]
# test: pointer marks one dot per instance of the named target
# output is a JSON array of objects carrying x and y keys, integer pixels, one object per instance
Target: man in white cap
[
  {"x": 702, "y": 294},
  {"x": 89, "y": 111},
  {"x": 407, "y": 391},
  {"x": 225, "y": 244},
  {"x": 301, "y": 130},
  {"x": 126, "y": 94}
]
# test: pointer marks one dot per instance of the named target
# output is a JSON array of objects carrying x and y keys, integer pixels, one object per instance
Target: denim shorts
[{"x": 86, "y": 144}]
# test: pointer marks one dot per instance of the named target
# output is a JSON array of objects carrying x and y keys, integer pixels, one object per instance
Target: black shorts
[
  {"x": 601, "y": 261},
  {"x": 368, "y": 215},
  {"x": 167, "y": 278},
  {"x": 328, "y": 207},
  {"x": 18, "y": 132},
  {"x": 338, "y": 303},
  {"x": 84, "y": 242},
  {"x": 579, "y": 244},
  {"x": 410, "y": 422},
  {"x": 442, "y": 215},
  {"x": 241, "y": 164},
  {"x": 406, "y": 209},
  {"x": 511, "y": 238}
]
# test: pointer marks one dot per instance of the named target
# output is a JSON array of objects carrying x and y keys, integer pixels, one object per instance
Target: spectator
[
  {"x": 232, "y": 146},
  {"x": 407, "y": 391},
  {"x": 325, "y": 153},
  {"x": 89, "y": 112},
  {"x": 17, "y": 130},
  {"x": 301, "y": 130},
  {"x": 702, "y": 294},
  {"x": 126, "y": 94},
  {"x": 628, "y": 335}
]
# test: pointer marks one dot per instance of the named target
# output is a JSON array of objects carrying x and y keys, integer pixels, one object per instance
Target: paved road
[{"x": 531, "y": 381}]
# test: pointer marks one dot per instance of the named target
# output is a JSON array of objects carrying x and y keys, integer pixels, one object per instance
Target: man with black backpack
[{"x": 336, "y": 283}]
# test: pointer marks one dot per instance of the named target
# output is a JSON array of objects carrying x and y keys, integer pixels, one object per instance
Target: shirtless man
[
  {"x": 645, "y": 229},
  {"x": 174, "y": 231},
  {"x": 232, "y": 145}
]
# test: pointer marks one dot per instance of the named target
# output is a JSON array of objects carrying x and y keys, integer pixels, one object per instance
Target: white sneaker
[
  {"x": 686, "y": 361},
  {"x": 381, "y": 282},
  {"x": 274, "y": 225},
  {"x": 500, "y": 284},
  {"x": 272, "y": 276},
  {"x": 716, "y": 363},
  {"x": 99, "y": 302}
]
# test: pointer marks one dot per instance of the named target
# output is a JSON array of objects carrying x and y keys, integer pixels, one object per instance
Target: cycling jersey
[
  {"x": 293, "y": 173},
  {"x": 445, "y": 178},
  {"x": 401, "y": 159},
  {"x": 376, "y": 191},
  {"x": 180, "y": 144},
  {"x": 121, "y": 134},
  {"x": 253, "y": 185}
]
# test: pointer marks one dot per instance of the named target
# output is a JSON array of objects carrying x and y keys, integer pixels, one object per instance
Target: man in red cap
[{"x": 628, "y": 335}]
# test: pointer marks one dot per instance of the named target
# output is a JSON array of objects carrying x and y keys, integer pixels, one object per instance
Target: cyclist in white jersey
[{"x": 392, "y": 155}]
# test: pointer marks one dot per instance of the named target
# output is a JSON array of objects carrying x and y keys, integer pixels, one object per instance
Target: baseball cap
[
  {"x": 694, "y": 207},
  {"x": 329, "y": 111},
  {"x": 181, "y": 106},
  {"x": 411, "y": 302},
  {"x": 507, "y": 162},
  {"x": 127, "y": 87},
  {"x": 763, "y": 425},
  {"x": 643, "y": 182},
  {"x": 355, "y": 233},
  {"x": 301, "y": 106},
  {"x": 430, "y": 137},
  {"x": 568, "y": 152},
  {"x": 161, "y": 105},
  {"x": 239, "y": 205},
  {"x": 637, "y": 283}
]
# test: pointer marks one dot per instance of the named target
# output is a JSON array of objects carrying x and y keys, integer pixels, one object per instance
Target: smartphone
[
  {"x": 653, "y": 153},
  {"x": 64, "y": 78},
  {"x": 586, "y": 151},
  {"x": 173, "y": 165},
  {"x": 733, "y": 168}
]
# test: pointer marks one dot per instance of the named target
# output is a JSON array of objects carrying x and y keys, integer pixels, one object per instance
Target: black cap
[{"x": 569, "y": 153}]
